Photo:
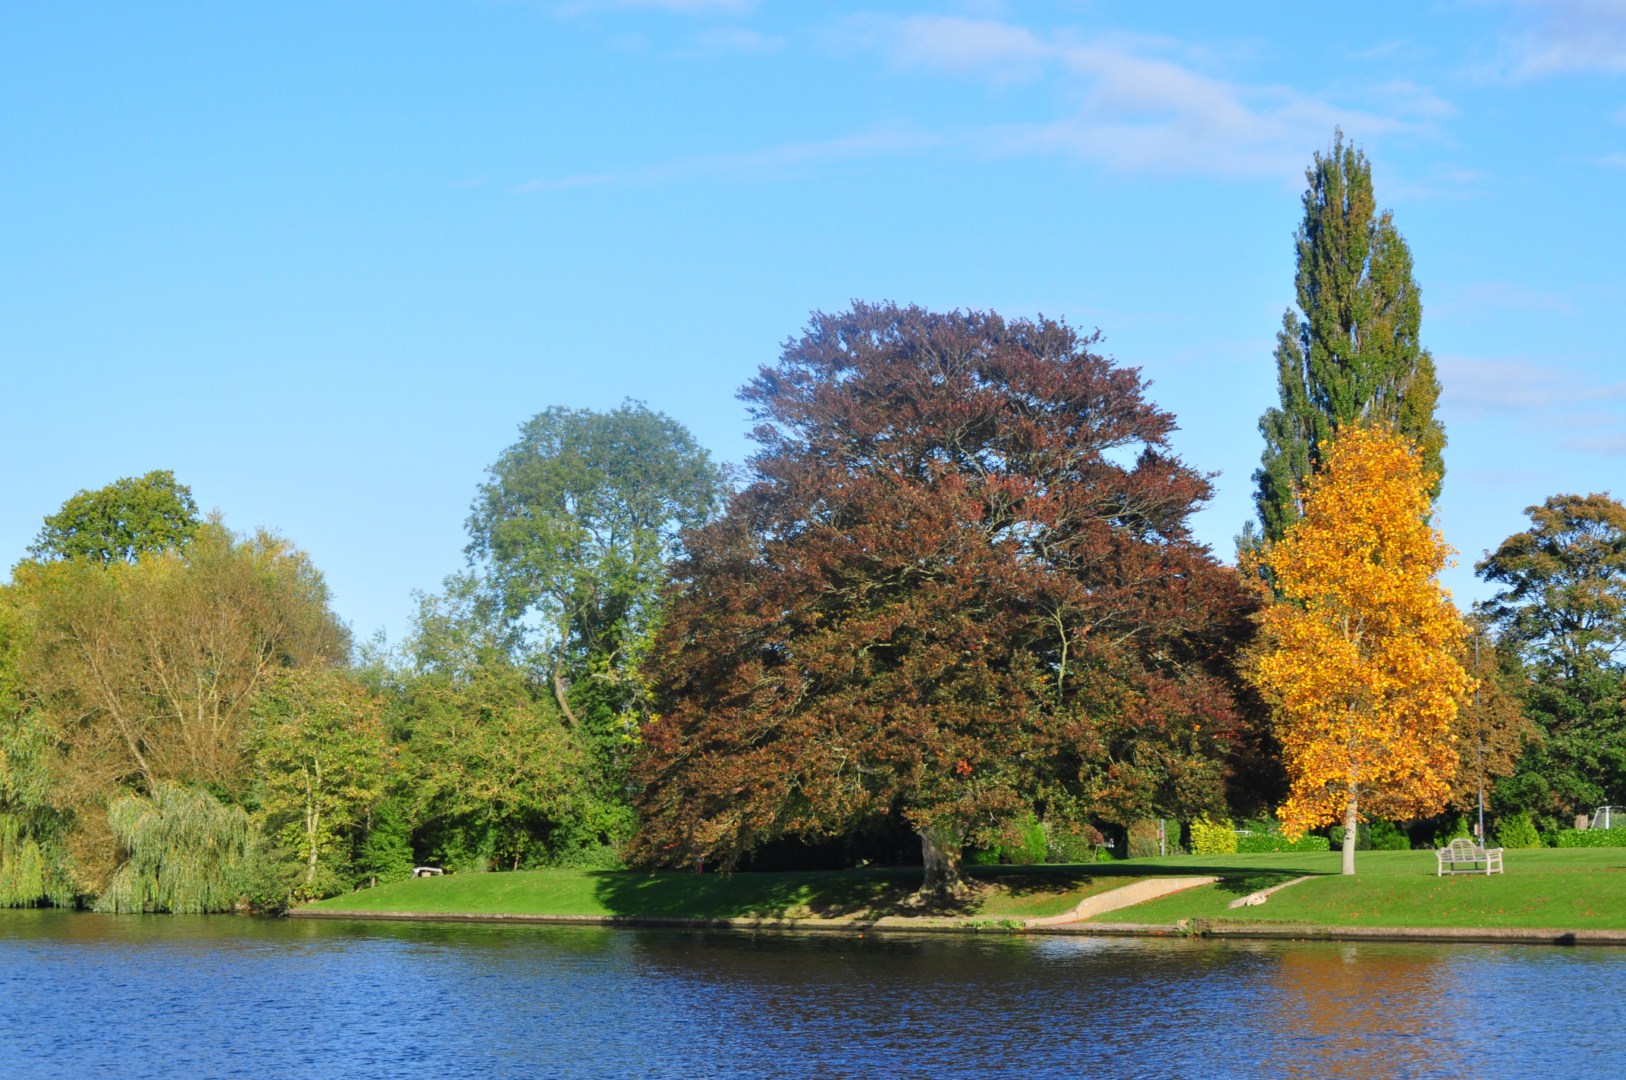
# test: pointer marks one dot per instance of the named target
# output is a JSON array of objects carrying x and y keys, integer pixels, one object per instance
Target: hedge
[
  {"x": 1591, "y": 838},
  {"x": 1254, "y": 843}
]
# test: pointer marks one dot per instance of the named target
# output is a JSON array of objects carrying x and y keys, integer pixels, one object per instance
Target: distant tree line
[{"x": 951, "y": 606}]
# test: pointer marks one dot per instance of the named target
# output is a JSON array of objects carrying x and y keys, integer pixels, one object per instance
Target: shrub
[
  {"x": 1577, "y": 838},
  {"x": 1452, "y": 828},
  {"x": 1517, "y": 831},
  {"x": 1363, "y": 837},
  {"x": 1143, "y": 841},
  {"x": 1253, "y": 843},
  {"x": 1373, "y": 836},
  {"x": 1073, "y": 843},
  {"x": 1387, "y": 836},
  {"x": 1029, "y": 844},
  {"x": 1022, "y": 843},
  {"x": 1210, "y": 837}
]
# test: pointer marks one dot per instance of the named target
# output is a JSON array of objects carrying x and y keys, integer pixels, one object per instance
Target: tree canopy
[
  {"x": 1562, "y": 611},
  {"x": 1360, "y": 657},
  {"x": 960, "y": 586},
  {"x": 144, "y": 673},
  {"x": 121, "y": 521},
  {"x": 1351, "y": 351},
  {"x": 573, "y": 530}
]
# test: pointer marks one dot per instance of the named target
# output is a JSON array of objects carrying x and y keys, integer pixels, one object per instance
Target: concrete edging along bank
[{"x": 1507, "y": 935}]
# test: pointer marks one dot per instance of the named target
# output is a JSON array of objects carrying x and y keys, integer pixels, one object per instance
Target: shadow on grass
[
  {"x": 874, "y": 893},
  {"x": 1252, "y": 883},
  {"x": 826, "y": 894}
]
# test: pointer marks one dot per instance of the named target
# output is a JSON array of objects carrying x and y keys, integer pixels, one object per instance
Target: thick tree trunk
[
  {"x": 940, "y": 852},
  {"x": 1351, "y": 822}
]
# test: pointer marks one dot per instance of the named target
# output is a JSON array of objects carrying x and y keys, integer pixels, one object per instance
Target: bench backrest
[{"x": 1463, "y": 848}]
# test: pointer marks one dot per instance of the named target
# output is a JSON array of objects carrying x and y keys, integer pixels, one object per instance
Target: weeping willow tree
[
  {"x": 31, "y": 872},
  {"x": 32, "y": 859},
  {"x": 184, "y": 852}
]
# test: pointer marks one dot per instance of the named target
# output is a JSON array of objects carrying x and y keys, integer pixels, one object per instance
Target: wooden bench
[{"x": 1463, "y": 856}]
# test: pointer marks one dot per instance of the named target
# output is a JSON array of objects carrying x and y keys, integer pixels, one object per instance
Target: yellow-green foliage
[
  {"x": 184, "y": 853},
  {"x": 1209, "y": 837}
]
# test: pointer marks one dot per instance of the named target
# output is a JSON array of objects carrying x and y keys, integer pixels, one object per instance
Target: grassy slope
[
  {"x": 1548, "y": 888},
  {"x": 1003, "y": 892}
]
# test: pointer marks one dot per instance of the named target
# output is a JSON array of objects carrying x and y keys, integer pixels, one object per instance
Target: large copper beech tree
[
  {"x": 1361, "y": 656},
  {"x": 959, "y": 587}
]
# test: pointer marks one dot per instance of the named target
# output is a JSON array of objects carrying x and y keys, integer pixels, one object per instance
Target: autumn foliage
[
  {"x": 1360, "y": 658},
  {"x": 961, "y": 587}
]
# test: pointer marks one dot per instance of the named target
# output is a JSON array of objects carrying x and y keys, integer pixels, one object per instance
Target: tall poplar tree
[{"x": 1351, "y": 350}]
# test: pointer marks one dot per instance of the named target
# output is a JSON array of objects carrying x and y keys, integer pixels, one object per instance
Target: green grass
[
  {"x": 1013, "y": 892},
  {"x": 1579, "y": 888},
  {"x": 1546, "y": 888}
]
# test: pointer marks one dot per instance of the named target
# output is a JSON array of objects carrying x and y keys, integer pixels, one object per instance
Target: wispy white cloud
[
  {"x": 955, "y": 44},
  {"x": 774, "y": 162},
  {"x": 737, "y": 39},
  {"x": 1135, "y": 103},
  {"x": 1546, "y": 394},
  {"x": 675, "y": 7},
  {"x": 1612, "y": 444},
  {"x": 1488, "y": 297},
  {"x": 1142, "y": 103},
  {"x": 1568, "y": 36},
  {"x": 1410, "y": 99}
]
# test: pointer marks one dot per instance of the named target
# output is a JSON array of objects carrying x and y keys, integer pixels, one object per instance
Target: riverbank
[{"x": 1545, "y": 896}]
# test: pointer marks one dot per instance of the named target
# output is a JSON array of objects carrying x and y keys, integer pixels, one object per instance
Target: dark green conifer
[{"x": 1351, "y": 350}]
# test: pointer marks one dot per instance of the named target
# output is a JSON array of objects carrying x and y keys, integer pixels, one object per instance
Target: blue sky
[{"x": 321, "y": 260}]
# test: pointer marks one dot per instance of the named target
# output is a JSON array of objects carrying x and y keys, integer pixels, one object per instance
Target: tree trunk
[
  {"x": 313, "y": 820},
  {"x": 1351, "y": 823},
  {"x": 940, "y": 852},
  {"x": 559, "y": 691}
]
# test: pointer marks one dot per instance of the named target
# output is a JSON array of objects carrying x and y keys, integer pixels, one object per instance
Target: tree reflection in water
[{"x": 1365, "y": 1011}]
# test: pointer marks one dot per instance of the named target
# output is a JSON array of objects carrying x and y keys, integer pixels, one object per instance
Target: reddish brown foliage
[{"x": 961, "y": 585}]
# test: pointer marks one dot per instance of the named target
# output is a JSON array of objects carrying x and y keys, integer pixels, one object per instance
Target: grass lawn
[
  {"x": 1014, "y": 892},
  {"x": 1570, "y": 889},
  {"x": 1553, "y": 888}
]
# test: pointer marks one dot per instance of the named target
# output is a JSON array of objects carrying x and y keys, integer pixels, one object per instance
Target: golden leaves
[{"x": 1359, "y": 654}]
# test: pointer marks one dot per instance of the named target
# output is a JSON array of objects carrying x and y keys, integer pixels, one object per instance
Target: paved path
[
  {"x": 1127, "y": 896},
  {"x": 1257, "y": 898}
]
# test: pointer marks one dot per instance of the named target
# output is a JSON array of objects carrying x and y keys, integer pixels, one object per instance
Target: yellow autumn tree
[{"x": 1359, "y": 656}]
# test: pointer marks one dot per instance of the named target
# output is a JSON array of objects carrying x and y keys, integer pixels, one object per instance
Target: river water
[{"x": 89, "y": 995}]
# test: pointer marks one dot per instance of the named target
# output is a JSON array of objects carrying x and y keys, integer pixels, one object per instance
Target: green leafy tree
[
  {"x": 143, "y": 673},
  {"x": 1562, "y": 613},
  {"x": 573, "y": 532},
  {"x": 32, "y": 862},
  {"x": 319, "y": 756},
  {"x": 121, "y": 521},
  {"x": 494, "y": 776},
  {"x": 1351, "y": 350}
]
